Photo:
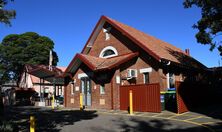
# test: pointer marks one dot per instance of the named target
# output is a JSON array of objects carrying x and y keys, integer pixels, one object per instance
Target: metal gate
[
  {"x": 146, "y": 98},
  {"x": 191, "y": 95},
  {"x": 181, "y": 105}
]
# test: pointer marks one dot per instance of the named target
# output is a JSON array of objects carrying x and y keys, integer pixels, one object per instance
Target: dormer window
[{"x": 108, "y": 51}]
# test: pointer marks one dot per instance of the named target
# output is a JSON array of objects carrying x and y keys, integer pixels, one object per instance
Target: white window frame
[
  {"x": 144, "y": 80},
  {"x": 101, "y": 55},
  {"x": 168, "y": 79},
  {"x": 145, "y": 70},
  {"x": 72, "y": 88},
  {"x": 102, "y": 92}
]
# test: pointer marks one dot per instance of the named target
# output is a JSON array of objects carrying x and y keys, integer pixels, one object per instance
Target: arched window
[{"x": 108, "y": 51}]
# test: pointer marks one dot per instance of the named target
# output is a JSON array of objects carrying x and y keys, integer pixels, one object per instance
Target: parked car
[{"x": 59, "y": 99}]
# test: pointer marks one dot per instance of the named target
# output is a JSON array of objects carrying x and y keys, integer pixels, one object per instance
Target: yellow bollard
[
  {"x": 32, "y": 124},
  {"x": 131, "y": 102},
  {"x": 53, "y": 102},
  {"x": 81, "y": 101}
]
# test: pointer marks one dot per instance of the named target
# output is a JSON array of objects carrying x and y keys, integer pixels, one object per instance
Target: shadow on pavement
[
  {"x": 46, "y": 120},
  {"x": 157, "y": 125},
  {"x": 153, "y": 125}
]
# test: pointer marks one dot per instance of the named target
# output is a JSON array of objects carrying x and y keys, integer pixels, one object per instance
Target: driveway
[{"x": 69, "y": 120}]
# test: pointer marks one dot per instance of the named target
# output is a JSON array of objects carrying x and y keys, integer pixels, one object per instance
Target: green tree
[
  {"x": 6, "y": 15},
  {"x": 16, "y": 50},
  {"x": 210, "y": 25}
]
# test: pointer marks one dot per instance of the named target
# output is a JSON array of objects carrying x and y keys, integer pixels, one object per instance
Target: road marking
[
  {"x": 212, "y": 122},
  {"x": 155, "y": 116},
  {"x": 193, "y": 118},
  {"x": 140, "y": 114},
  {"x": 173, "y": 116},
  {"x": 208, "y": 117},
  {"x": 212, "y": 130},
  {"x": 183, "y": 113}
]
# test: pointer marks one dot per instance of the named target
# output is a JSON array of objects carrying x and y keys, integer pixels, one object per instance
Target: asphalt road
[
  {"x": 48, "y": 120},
  {"x": 118, "y": 123}
]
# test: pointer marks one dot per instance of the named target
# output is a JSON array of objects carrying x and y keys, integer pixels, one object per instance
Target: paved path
[{"x": 70, "y": 120}]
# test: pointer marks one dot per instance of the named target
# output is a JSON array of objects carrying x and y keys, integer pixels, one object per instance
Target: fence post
[
  {"x": 81, "y": 101},
  {"x": 32, "y": 124},
  {"x": 131, "y": 102}
]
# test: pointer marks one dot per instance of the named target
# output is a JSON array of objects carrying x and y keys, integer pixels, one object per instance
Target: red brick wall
[
  {"x": 95, "y": 93},
  {"x": 101, "y": 43},
  {"x": 140, "y": 64},
  {"x": 116, "y": 96}
]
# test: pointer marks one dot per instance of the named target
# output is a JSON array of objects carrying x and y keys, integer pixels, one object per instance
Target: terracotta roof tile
[
  {"x": 160, "y": 48},
  {"x": 107, "y": 63},
  {"x": 34, "y": 79},
  {"x": 157, "y": 48},
  {"x": 61, "y": 68}
]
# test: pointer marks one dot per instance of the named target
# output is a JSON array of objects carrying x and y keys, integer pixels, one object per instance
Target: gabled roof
[
  {"x": 98, "y": 64},
  {"x": 157, "y": 48},
  {"x": 34, "y": 79},
  {"x": 57, "y": 71},
  {"x": 215, "y": 69},
  {"x": 42, "y": 71}
]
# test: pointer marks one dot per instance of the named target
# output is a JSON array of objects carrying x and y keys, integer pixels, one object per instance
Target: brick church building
[{"x": 117, "y": 56}]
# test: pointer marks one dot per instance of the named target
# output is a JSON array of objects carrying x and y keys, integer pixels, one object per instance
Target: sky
[{"x": 69, "y": 23}]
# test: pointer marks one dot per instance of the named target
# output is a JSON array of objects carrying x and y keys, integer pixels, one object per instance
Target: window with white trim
[
  {"x": 146, "y": 78},
  {"x": 170, "y": 80},
  {"x": 108, "y": 51},
  {"x": 102, "y": 89},
  {"x": 72, "y": 88},
  {"x": 146, "y": 74}
]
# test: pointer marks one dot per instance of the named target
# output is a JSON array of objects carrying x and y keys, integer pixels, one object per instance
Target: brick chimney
[{"x": 187, "y": 51}]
